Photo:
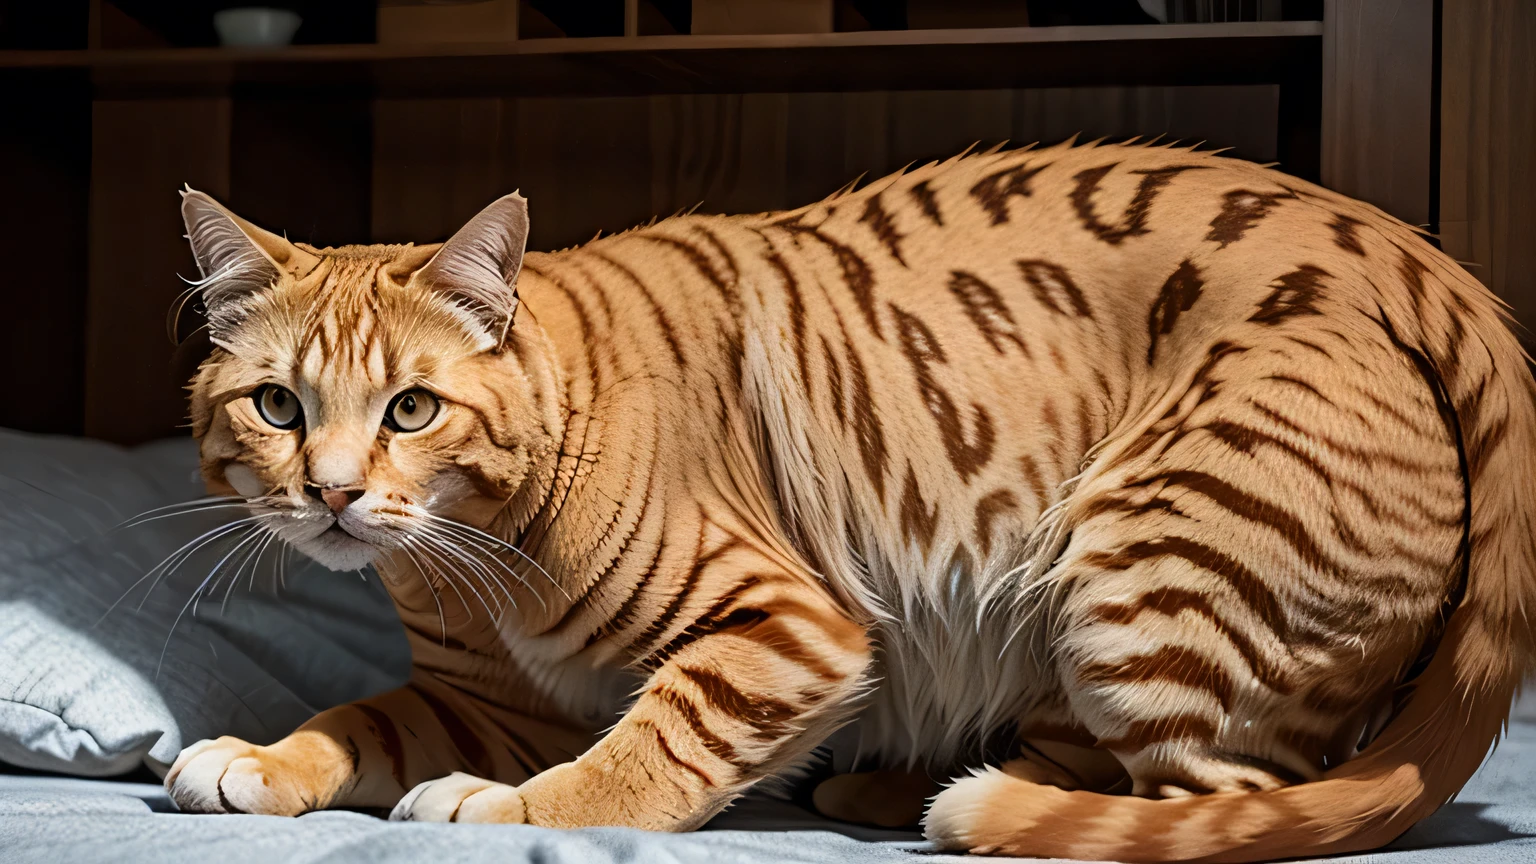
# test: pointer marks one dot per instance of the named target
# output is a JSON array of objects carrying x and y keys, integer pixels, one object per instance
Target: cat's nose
[{"x": 337, "y": 499}]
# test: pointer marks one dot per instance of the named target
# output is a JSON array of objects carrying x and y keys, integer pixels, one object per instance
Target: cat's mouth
[{"x": 339, "y": 549}]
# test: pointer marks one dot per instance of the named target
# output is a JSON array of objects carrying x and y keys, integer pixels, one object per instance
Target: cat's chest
[{"x": 947, "y": 678}]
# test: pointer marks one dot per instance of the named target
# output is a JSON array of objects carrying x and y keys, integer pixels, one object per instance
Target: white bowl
[{"x": 256, "y": 26}]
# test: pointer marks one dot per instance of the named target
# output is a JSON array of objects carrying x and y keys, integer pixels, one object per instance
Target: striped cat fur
[{"x": 1183, "y": 510}]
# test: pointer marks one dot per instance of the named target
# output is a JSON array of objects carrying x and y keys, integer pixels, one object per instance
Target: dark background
[{"x": 108, "y": 107}]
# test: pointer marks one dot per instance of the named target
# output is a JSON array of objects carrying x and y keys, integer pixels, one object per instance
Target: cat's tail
[{"x": 1458, "y": 704}]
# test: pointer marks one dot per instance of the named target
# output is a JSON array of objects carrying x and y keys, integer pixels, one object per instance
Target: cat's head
[{"x": 357, "y": 397}]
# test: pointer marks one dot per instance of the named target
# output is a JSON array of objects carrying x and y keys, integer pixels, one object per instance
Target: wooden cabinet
[{"x": 389, "y": 141}]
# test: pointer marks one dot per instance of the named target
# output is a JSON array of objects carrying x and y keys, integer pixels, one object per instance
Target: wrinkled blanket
[{"x": 53, "y": 819}]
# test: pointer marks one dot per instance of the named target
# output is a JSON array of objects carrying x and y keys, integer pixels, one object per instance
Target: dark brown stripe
[
  {"x": 1345, "y": 233},
  {"x": 662, "y": 321},
  {"x": 1246, "y": 439},
  {"x": 1170, "y": 602},
  {"x": 1241, "y": 209},
  {"x": 991, "y": 505},
  {"x": 684, "y": 706},
  {"x": 769, "y": 630},
  {"x": 601, "y": 580},
  {"x": 719, "y": 617},
  {"x": 762, "y": 712},
  {"x": 986, "y": 309},
  {"x": 1392, "y": 411},
  {"x": 1054, "y": 288},
  {"x": 1036, "y": 482},
  {"x": 733, "y": 275},
  {"x": 700, "y": 261},
  {"x": 1309, "y": 344},
  {"x": 1133, "y": 221},
  {"x": 835, "y": 383},
  {"x": 968, "y": 454},
  {"x": 1144, "y": 733},
  {"x": 918, "y": 521},
  {"x": 1376, "y": 457},
  {"x": 1085, "y": 427},
  {"x": 1294, "y": 294},
  {"x": 1469, "y": 465},
  {"x": 1491, "y": 435},
  {"x": 1412, "y": 272},
  {"x": 590, "y": 338},
  {"x": 624, "y": 615},
  {"x": 925, "y": 200},
  {"x": 1297, "y": 382},
  {"x": 1255, "y": 509},
  {"x": 867, "y": 430},
  {"x": 1205, "y": 375},
  {"x": 388, "y": 736},
  {"x": 1248, "y": 586},
  {"x": 993, "y": 191},
  {"x": 1172, "y": 663},
  {"x": 354, "y": 756},
  {"x": 1177, "y": 296},
  {"x": 880, "y": 222},
  {"x": 663, "y": 622},
  {"x": 1052, "y": 420},
  {"x": 857, "y": 275},
  {"x": 796, "y": 313},
  {"x": 470, "y": 747},
  {"x": 666, "y": 748}
]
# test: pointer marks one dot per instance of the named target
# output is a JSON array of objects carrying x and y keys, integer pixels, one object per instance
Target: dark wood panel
[
  {"x": 1377, "y": 106},
  {"x": 610, "y": 163},
  {"x": 303, "y": 165},
  {"x": 1153, "y": 54},
  {"x": 436, "y": 162},
  {"x": 142, "y": 152},
  {"x": 44, "y": 170},
  {"x": 1488, "y": 147}
]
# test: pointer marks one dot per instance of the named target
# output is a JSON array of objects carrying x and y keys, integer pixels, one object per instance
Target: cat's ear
[
  {"x": 478, "y": 266},
  {"x": 236, "y": 258}
]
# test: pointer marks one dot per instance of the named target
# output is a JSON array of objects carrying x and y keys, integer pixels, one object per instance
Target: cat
[{"x": 1186, "y": 503}]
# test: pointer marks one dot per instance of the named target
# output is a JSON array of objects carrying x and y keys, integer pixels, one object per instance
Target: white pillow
[{"x": 85, "y": 694}]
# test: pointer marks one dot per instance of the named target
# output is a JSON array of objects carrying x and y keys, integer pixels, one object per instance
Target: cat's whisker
[
  {"x": 469, "y": 532},
  {"x": 486, "y": 578},
  {"x": 463, "y": 604},
  {"x": 453, "y": 551},
  {"x": 462, "y": 542},
  {"x": 254, "y": 559},
  {"x": 196, "y": 595},
  {"x": 145, "y": 518},
  {"x": 173, "y": 560},
  {"x": 253, "y": 533},
  {"x": 489, "y": 538},
  {"x": 442, "y": 620},
  {"x": 433, "y": 547}
]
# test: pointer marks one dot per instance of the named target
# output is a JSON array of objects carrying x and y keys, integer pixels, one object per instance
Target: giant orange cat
[{"x": 1204, "y": 494}]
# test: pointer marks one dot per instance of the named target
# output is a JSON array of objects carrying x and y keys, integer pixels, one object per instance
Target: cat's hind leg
[{"x": 1246, "y": 582}]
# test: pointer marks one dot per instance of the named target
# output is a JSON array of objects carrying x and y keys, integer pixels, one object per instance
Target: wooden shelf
[{"x": 1168, "y": 54}]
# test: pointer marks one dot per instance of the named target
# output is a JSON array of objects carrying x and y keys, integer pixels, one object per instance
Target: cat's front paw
[
  {"x": 228, "y": 775},
  {"x": 460, "y": 797}
]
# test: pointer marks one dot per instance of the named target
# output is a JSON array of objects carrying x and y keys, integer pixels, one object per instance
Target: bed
[{"x": 104, "y": 678}]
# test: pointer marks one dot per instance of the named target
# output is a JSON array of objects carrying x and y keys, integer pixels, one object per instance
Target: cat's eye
[
  {"x": 278, "y": 406},
  {"x": 411, "y": 411}
]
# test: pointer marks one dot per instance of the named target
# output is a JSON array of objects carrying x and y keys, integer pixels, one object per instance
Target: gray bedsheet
[{"x": 48, "y": 819}]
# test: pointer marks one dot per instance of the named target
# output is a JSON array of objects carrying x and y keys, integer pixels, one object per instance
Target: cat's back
[{"x": 954, "y": 339}]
